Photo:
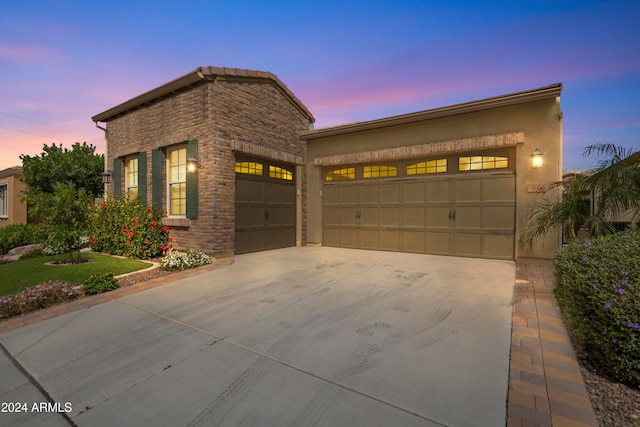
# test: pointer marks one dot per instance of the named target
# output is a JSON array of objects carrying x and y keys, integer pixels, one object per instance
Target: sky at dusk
[{"x": 62, "y": 62}]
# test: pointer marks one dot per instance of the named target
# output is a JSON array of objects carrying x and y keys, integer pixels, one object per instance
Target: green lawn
[{"x": 28, "y": 273}]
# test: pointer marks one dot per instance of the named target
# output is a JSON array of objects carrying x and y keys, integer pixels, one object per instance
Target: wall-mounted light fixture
[
  {"x": 193, "y": 163},
  {"x": 536, "y": 159},
  {"x": 106, "y": 177}
]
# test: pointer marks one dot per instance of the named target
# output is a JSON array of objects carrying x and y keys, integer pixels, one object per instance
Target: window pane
[
  {"x": 341, "y": 174},
  {"x": 379, "y": 171},
  {"x": 430, "y": 166},
  {"x": 280, "y": 173},
  {"x": 482, "y": 162},
  {"x": 178, "y": 194}
]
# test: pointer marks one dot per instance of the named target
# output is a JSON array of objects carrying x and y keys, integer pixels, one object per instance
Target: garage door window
[
  {"x": 280, "y": 173},
  {"x": 473, "y": 163},
  {"x": 249, "y": 168},
  {"x": 430, "y": 166},
  {"x": 379, "y": 171},
  {"x": 341, "y": 174}
]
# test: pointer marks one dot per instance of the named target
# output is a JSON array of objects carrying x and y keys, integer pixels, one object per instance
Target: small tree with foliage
[
  {"x": 80, "y": 166},
  {"x": 66, "y": 213}
]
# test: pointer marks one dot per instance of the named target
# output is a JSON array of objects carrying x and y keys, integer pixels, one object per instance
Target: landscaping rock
[{"x": 15, "y": 253}]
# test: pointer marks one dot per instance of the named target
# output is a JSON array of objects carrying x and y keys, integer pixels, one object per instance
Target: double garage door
[
  {"x": 265, "y": 206},
  {"x": 465, "y": 214}
]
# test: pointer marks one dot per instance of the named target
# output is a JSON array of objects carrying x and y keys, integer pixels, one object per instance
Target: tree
[
  {"x": 79, "y": 166},
  {"x": 614, "y": 186},
  {"x": 67, "y": 215}
]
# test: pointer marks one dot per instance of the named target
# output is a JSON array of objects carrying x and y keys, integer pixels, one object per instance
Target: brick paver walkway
[{"x": 545, "y": 383}]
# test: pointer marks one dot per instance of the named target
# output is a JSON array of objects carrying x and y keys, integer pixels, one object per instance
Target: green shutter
[
  {"x": 142, "y": 177},
  {"x": 117, "y": 177},
  {"x": 156, "y": 178},
  {"x": 192, "y": 183}
]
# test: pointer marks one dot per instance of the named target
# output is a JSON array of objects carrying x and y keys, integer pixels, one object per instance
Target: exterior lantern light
[
  {"x": 192, "y": 164},
  {"x": 106, "y": 177},
  {"x": 536, "y": 159}
]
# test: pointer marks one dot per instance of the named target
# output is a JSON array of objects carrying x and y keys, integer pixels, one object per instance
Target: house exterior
[
  {"x": 232, "y": 158},
  {"x": 12, "y": 209},
  {"x": 245, "y": 186},
  {"x": 457, "y": 180}
]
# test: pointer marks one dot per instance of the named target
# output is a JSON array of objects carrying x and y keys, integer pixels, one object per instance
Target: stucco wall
[
  {"x": 540, "y": 121},
  {"x": 17, "y": 209}
]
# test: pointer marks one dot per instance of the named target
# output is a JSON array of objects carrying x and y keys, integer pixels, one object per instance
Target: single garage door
[
  {"x": 459, "y": 205},
  {"x": 265, "y": 206}
]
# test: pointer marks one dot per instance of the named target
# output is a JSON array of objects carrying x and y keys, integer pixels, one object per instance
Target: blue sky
[{"x": 62, "y": 62}]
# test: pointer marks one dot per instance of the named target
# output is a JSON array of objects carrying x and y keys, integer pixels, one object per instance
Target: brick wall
[{"x": 226, "y": 114}]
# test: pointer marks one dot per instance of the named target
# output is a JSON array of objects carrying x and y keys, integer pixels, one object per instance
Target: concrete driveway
[{"x": 291, "y": 337}]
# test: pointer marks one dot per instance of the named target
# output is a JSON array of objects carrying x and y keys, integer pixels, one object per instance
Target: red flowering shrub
[{"x": 128, "y": 228}]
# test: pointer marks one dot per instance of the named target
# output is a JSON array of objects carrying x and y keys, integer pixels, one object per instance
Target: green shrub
[
  {"x": 98, "y": 283},
  {"x": 15, "y": 235},
  {"x": 176, "y": 260},
  {"x": 598, "y": 289},
  {"x": 128, "y": 228}
]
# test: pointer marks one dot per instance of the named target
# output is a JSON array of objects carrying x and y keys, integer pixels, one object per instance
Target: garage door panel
[
  {"x": 500, "y": 188},
  {"x": 499, "y": 217},
  {"x": 499, "y": 245},
  {"x": 468, "y": 216},
  {"x": 348, "y": 216},
  {"x": 368, "y": 216},
  {"x": 331, "y": 195},
  {"x": 438, "y": 191},
  {"x": 349, "y": 238},
  {"x": 388, "y": 240},
  {"x": 388, "y": 216},
  {"x": 369, "y": 239},
  {"x": 413, "y": 241},
  {"x": 256, "y": 192},
  {"x": 468, "y": 190},
  {"x": 349, "y": 194},
  {"x": 389, "y": 193},
  {"x": 414, "y": 192},
  {"x": 438, "y": 242},
  {"x": 468, "y": 244},
  {"x": 331, "y": 236},
  {"x": 369, "y": 194},
  {"x": 413, "y": 216},
  {"x": 438, "y": 216}
]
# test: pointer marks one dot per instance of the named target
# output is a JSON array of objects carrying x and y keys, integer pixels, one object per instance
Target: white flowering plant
[{"x": 176, "y": 260}]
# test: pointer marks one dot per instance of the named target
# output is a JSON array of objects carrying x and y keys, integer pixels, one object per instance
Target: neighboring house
[
  {"x": 12, "y": 209},
  {"x": 228, "y": 154}
]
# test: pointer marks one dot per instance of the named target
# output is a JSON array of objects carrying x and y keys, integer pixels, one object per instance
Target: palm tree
[{"x": 614, "y": 187}]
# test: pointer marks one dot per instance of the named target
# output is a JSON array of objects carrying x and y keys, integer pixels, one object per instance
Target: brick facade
[{"x": 226, "y": 112}]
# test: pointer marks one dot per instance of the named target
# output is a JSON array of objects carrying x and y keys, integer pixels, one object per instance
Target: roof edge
[
  {"x": 199, "y": 74},
  {"x": 544, "y": 92}
]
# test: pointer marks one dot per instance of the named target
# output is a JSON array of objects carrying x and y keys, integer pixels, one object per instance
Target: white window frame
[
  {"x": 181, "y": 179},
  {"x": 4, "y": 200}
]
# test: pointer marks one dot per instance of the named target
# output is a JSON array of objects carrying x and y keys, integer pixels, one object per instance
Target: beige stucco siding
[{"x": 540, "y": 122}]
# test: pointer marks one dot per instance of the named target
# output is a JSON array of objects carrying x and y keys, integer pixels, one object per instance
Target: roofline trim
[
  {"x": 194, "y": 77},
  {"x": 553, "y": 90}
]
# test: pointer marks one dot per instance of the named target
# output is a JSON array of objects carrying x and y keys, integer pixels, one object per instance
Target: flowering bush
[
  {"x": 42, "y": 296},
  {"x": 176, "y": 260},
  {"x": 598, "y": 290},
  {"x": 128, "y": 228}
]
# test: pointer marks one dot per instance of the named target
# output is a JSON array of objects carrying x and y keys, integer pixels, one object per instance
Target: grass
[{"x": 15, "y": 276}]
